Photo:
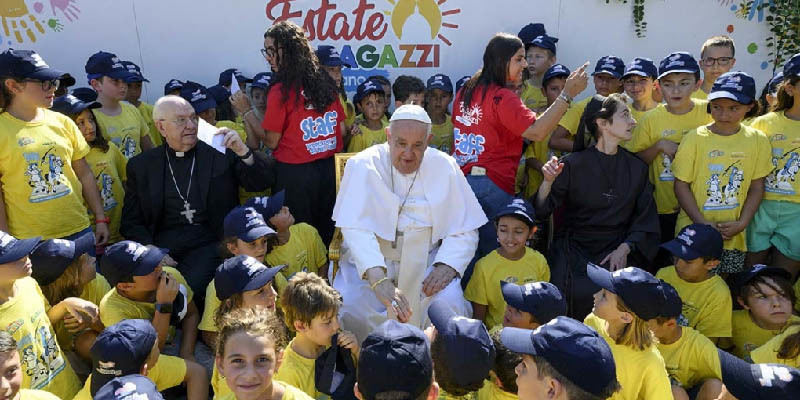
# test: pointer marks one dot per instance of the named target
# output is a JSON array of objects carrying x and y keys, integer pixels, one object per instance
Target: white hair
[{"x": 168, "y": 102}]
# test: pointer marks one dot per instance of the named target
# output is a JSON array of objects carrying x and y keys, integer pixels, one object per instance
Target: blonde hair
[
  {"x": 635, "y": 334},
  {"x": 258, "y": 321},
  {"x": 68, "y": 284},
  {"x": 722, "y": 41},
  {"x": 306, "y": 296}
]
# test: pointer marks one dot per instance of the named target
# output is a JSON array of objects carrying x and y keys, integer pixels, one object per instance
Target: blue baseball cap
[
  {"x": 329, "y": 57},
  {"x": 27, "y": 64},
  {"x": 554, "y": 71},
  {"x": 246, "y": 224},
  {"x": 69, "y": 104},
  {"x": 50, "y": 258},
  {"x": 126, "y": 258},
  {"x": 634, "y": 286},
  {"x": 695, "y": 241},
  {"x": 518, "y": 207},
  {"x": 440, "y": 81},
  {"x": 240, "y": 274},
  {"x": 121, "y": 349},
  {"x": 748, "y": 381},
  {"x": 136, "y": 72},
  {"x": 544, "y": 42},
  {"x": 129, "y": 387},
  {"x": 742, "y": 278},
  {"x": 735, "y": 85},
  {"x": 465, "y": 341},
  {"x": 669, "y": 303},
  {"x": 172, "y": 86},
  {"x": 772, "y": 86},
  {"x": 13, "y": 249},
  {"x": 226, "y": 77},
  {"x": 530, "y": 32},
  {"x": 262, "y": 80},
  {"x": 87, "y": 95},
  {"x": 198, "y": 96},
  {"x": 67, "y": 80},
  {"x": 102, "y": 64},
  {"x": 543, "y": 300},
  {"x": 395, "y": 357},
  {"x": 677, "y": 62},
  {"x": 365, "y": 88},
  {"x": 792, "y": 67},
  {"x": 461, "y": 82},
  {"x": 641, "y": 66},
  {"x": 611, "y": 65},
  {"x": 570, "y": 347},
  {"x": 267, "y": 206},
  {"x": 219, "y": 93}
]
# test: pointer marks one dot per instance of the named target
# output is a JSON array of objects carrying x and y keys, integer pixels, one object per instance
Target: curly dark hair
[{"x": 299, "y": 68}]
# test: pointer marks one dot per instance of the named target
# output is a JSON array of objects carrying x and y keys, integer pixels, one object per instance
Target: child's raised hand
[
  {"x": 349, "y": 341},
  {"x": 552, "y": 169},
  {"x": 167, "y": 289},
  {"x": 577, "y": 81},
  {"x": 83, "y": 311},
  {"x": 240, "y": 102}
]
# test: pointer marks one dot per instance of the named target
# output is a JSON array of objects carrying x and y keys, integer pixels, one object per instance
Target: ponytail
[{"x": 784, "y": 100}]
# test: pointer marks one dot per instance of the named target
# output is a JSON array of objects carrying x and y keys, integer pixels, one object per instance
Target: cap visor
[
  {"x": 274, "y": 204},
  {"x": 600, "y": 276},
  {"x": 85, "y": 242},
  {"x": 737, "y": 375},
  {"x": 22, "y": 248},
  {"x": 150, "y": 260},
  {"x": 518, "y": 340},
  {"x": 512, "y": 294},
  {"x": 47, "y": 74},
  {"x": 677, "y": 71},
  {"x": 256, "y": 233},
  {"x": 204, "y": 105},
  {"x": 440, "y": 87},
  {"x": 728, "y": 95},
  {"x": 262, "y": 278},
  {"x": 603, "y": 71},
  {"x": 67, "y": 80},
  {"x": 124, "y": 75},
  {"x": 639, "y": 73},
  {"x": 440, "y": 314},
  {"x": 679, "y": 250}
]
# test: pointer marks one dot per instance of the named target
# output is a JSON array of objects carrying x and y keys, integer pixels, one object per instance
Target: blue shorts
[{"x": 776, "y": 224}]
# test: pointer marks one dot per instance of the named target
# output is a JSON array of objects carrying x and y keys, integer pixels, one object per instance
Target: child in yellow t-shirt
[
  {"x": 121, "y": 122},
  {"x": 135, "y": 82},
  {"x": 691, "y": 359},
  {"x": 541, "y": 55},
  {"x": 331, "y": 61},
  {"x": 767, "y": 297},
  {"x": 513, "y": 262},
  {"x": 502, "y": 381},
  {"x": 781, "y": 349},
  {"x": 717, "y": 56},
  {"x": 639, "y": 80},
  {"x": 310, "y": 308},
  {"x": 370, "y": 100},
  {"x": 706, "y": 299},
  {"x": 622, "y": 307},
  {"x": 719, "y": 169},
  {"x": 531, "y": 305},
  {"x": 773, "y": 232},
  {"x": 438, "y": 95},
  {"x": 11, "y": 370},
  {"x": 252, "y": 340}
]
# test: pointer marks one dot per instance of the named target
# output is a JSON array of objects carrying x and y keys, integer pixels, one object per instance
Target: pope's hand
[
  {"x": 395, "y": 301},
  {"x": 438, "y": 279}
]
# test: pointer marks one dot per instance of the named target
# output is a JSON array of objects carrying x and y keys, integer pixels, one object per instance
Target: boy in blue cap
[
  {"x": 122, "y": 123},
  {"x": 11, "y": 371},
  {"x": 541, "y": 55},
  {"x": 556, "y": 358},
  {"x": 129, "y": 387},
  {"x": 173, "y": 87},
  {"x": 255, "y": 103},
  {"x": 370, "y": 100},
  {"x": 531, "y": 305},
  {"x": 639, "y": 81},
  {"x": 201, "y": 100},
  {"x": 438, "y": 95},
  {"x": 757, "y": 381},
  {"x": 134, "y": 97},
  {"x": 707, "y": 304},
  {"x": 502, "y": 381}
]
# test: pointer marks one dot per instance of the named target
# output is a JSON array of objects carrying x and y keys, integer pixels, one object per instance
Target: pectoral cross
[
  {"x": 610, "y": 195},
  {"x": 188, "y": 212},
  {"x": 397, "y": 236}
]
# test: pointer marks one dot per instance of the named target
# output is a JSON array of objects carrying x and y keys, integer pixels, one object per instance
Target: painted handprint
[
  {"x": 67, "y": 7},
  {"x": 55, "y": 25},
  {"x": 18, "y": 20}
]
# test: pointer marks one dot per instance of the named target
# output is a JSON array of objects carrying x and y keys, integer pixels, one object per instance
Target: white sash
[{"x": 411, "y": 252}]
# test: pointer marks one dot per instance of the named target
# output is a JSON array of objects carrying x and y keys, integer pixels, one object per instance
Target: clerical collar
[{"x": 180, "y": 154}]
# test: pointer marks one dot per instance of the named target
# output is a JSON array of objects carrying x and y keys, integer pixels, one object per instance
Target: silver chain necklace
[{"x": 187, "y": 212}]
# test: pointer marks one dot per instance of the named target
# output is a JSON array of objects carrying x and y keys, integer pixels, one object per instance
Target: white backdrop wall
[{"x": 197, "y": 39}]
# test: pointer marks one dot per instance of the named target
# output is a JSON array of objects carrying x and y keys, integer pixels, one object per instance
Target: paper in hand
[
  {"x": 208, "y": 134},
  {"x": 235, "y": 85}
]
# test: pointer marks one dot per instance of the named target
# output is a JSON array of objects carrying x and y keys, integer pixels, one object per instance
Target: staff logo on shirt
[
  {"x": 470, "y": 115},
  {"x": 715, "y": 154},
  {"x": 777, "y": 137},
  {"x": 468, "y": 146},
  {"x": 786, "y": 165},
  {"x": 668, "y": 132},
  {"x": 46, "y": 185},
  {"x": 24, "y": 141},
  {"x": 723, "y": 187}
]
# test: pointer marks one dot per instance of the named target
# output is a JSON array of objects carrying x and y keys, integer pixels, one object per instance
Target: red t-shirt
[
  {"x": 306, "y": 134},
  {"x": 488, "y": 133}
]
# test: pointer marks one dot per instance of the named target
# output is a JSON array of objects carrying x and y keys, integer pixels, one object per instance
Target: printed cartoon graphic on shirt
[
  {"x": 106, "y": 194},
  {"x": 781, "y": 179},
  {"x": 48, "y": 185},
  {"x": 666, "y": 173},
  {"x": 468, "y": 146},
  {"x": 125, "y": 143},
  {"x": 41, "y": 368},
  {"x": 723, "y": 187}
]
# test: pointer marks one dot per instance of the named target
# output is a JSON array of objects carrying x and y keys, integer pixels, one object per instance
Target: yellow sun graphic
[{"x": 429, "y": 9}]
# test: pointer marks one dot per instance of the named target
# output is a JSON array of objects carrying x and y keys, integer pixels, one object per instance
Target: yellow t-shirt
[
  {"x": 692, "y": 359},
  {"x": 542, "y": 152},
  {"x": 109, "y": 170},
  {"x": 768, "y": 352},
  {"x": 699, "y": 94},
  {"x": 490, "y": 391},
  {"x": 169, "y": 371},
  {"x": 447, "y": 396},
  {"x": 572, "y": 118},
  {"x": 27, "y": 394},
  {"x": 42, "y": 194},
  {"x": 298, "y": 371},
  {"x": 147, "y": 113},
  {"x": 747, "y": 336},
  {"x": 532, "y": 96},
  {"x": 719, "y": 170},
  {"x": 658, "y": 124},
  {"x": 641, "y": 374},
  {"x": 43, "y": 364},
  {"x": 638, "y": 116},
  {"x": 367, "y": 138},
  {"x": 125, "y": 130},
  {"x": 349, "y": 111},
  {"x": 291, "y": 393},
  {"x": 94, "y": 292},
  {"x": 304, "y": 251},
  {"x": 784, "y": 136},
  {"x": 707, "y": 305},
  {"x": 484, "y": 286},
  {"x": 442, "y": 136}
]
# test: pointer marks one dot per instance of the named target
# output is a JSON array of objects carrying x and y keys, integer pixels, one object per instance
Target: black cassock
[{"x": 607, "y": 200}]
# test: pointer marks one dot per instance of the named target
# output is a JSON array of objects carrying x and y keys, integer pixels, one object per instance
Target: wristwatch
[{"x": 164, "y": 308}]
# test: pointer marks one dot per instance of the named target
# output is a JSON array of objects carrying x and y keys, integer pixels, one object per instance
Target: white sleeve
[
  {"x": 364, "y": 249},
  {"x": 457, "y": 250}
]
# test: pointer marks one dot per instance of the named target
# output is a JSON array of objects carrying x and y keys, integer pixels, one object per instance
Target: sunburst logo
[
  {"x": 431, "y": 10},
  {"x": 22, "y": 25}
]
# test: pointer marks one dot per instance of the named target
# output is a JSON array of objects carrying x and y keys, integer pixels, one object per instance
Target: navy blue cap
[
  {"x": 26, "y": 64},
  {"x": 136, "y": 72},
  {"x": 50, "y": 258},
  {"x": 792, "y": 67},
  {"x": 735, "y": 85},
  {"x": 543, "y": 300},
  {"x": 262, "y": 80},
  {"x": 774, "y": 82},
  {"x": 641, "y": 66},
  {"x": 226, "y": 77},
  {"x": 67, "y": 80},
  {"x": 87, "y": 95},
  {"x": 555, "y": 70},
  {"x": 695, "y": 241},
  {"x": 461, "y": 82},
  {"x": 395, "y": 357},
  {"x": 13, "y": 249},
  {"x": 668, "y": 301},
  {"x": 267, "y": 206},
  {"x": 570, "y": 347},
  {"x": 545, "y": 42},
  {"x": 198, "y": 96},
  {"x": 634, "y": 286},
  {"x": 121, "y": 349},
  {"x": 129, "y": 387},
  {"x": 365, "y": 88},
  {"x": 172, "y": 85},
  {"x": 69, "y": 104},
  {"x": 240, "y": 274},
  {"x": 126, "y": 258},
  {"x": 329, "y": 57},
  {"x": 679, "y": 61},
  {"x": 465, "y": 341},
  {"x": 219, "y": 93},
  {"x": 102, "y": 64},
  {"x": 742, "y": 278},
  {"x": 748, "y": 381},
  {"x": 611, "y": 65},
  {"x": 530, "y": 32},
  {"x": 520, "y": 208},
  {"x": 440, "y": 81},
  {"x": 246, "y": 224}
]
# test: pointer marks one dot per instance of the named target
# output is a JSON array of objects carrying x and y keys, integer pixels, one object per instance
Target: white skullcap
[{"x": 410, "y": 112}]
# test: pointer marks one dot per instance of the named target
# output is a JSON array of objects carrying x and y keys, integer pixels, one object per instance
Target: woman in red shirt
[{"x": 490, "y": 122}]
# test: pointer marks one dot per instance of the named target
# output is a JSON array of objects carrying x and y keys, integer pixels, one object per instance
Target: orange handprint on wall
[{"x": 17, "y": 20}]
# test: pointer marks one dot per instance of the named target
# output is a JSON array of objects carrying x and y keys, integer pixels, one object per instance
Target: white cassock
[{"x": 437, "y": 224}]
